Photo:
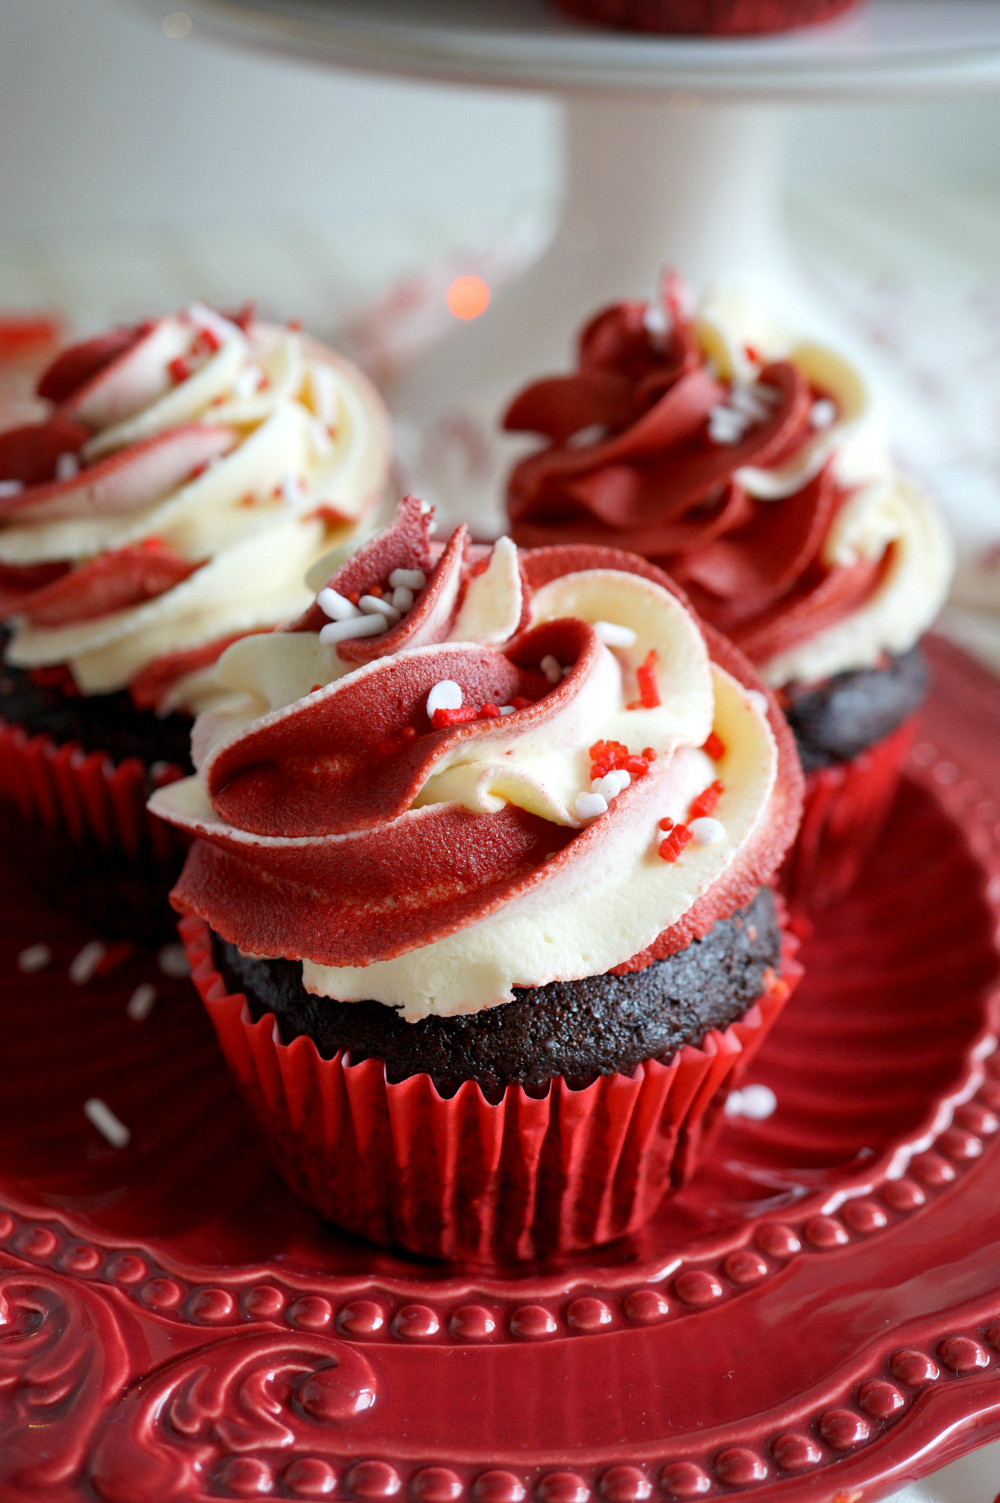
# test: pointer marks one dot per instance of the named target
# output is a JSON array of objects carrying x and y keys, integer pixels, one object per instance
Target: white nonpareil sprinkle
[
  {"x": 657, "y": 323},
  {"x": 706, "y": 831},
  {"x": 34, "y": 958},
  {"x": 413, "y": 579},
  {"x": 337, "y": 607},
  {"x": 100, "y": 1115},
  {"x": 10, "y": 488},
  {"x": 67, "y": 467},
  {"x": 402, "y": 598},
  {"x": 372, "y": 605},
  {"x": 142, "y": 1001},
  {"x": 754, "y": 1101},
  {"x": 758, "y": 700},
  {"x": 508, "y": 709},
  {"x": 83, "y": 965},
  {"x": 172, "y": 960},
  {"x": 583, "y": 438},
  {"x": 551, "y": 667},
  {"x": 611, "y": 784},
  {"x": 823, "y": 414},
  {"x": 614, "y": 635},
  {"x": 725, "y": 426},
  {"x": 590, "y": 805},
  {"x": 357, "y": 626},
  {"x": 292, "y": 489},
  {"x": 447, "y": 695}
]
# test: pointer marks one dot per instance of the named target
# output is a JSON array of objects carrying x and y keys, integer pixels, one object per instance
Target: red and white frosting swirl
[
  {"x": 749, "y": 464},
  {"x": 190, "y": 472},
  {"x": 473, "y": 798}
]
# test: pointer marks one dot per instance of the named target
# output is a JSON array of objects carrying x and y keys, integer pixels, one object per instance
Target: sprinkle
[
  {"x": 614, "y": 635},
  {"x": 84, "y": 964},
  {"x": 752, "y": 355},
  {"x": 408, "y": 732},
  {"x": 507, "y": 709},
  {"x": 141, "y": 1002},
  {"x": 748, "y": 403},
  {"x": 337, "y": 607},
  {"x": 67, "y": 467},
  {"x": 648, "y": 753},
  {"x": 758, "y": 701},
  {"x": 100, "y": 1115},
  {"x": 551, "y": 667},
  {"x": 358, "y": 626},
  {"x": 247, "y": 381},
  {"x": 208, "y": 321},
  {"x": 590, "y": 805},
  {"x": 10, "y": 488},
  {"x": 373, "y": 606},
  {"x": 714, "y": 747},
  {"x": 445, "y": 717},
  {"x": 518, "y": 702},
  {"x": 706, "y": 801},
  {"x": 446, "y": 695},
  {"x": 402, "y": 598},
  {"x": 725, "y": 426},
  {"x": 292, "y": 489},
  {"x": 707, "y": 831},
  {"x": 376, "y": 590},
  {"x": 754, "y": 1101},
  {"x": 491, "y": 712},
  {"x": 611, "y": 784},
  {"x": 34, "y": 958},
  {"x": 179, "y": 370},
  {"x": 172, "y": 961},
  {"x": 413, "y": 579},
  {"x": 675, "y": 842},
  {"x": 823, "y": 414},
  {"x": 666, "y": 824},
  {"x": 649, "y": 691},
  {"x": 657, "y": 323}
]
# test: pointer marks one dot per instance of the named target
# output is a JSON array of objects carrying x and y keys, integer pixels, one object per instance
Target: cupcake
[
  {"x": 478, "y": 897},
  {"x": 707, "y": 17},
  {"x": 751, "y": 465},
  {"x": 186, "y": 475}
]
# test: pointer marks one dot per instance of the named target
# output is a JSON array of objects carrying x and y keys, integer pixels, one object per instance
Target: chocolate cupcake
[
  {"x": 751, "y": 465},
  {"x": 503, "y": 825},
  {"x": 708, "y": 17},
  {"x": 189, "y": 472}
]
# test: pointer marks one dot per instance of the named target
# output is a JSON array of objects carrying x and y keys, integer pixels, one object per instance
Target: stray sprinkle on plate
[
  {"x": 34, "y": 958},
  {"x": 100, "y": 1115},
  {"x": 83, "y": 965},
  {"x": 142, "y": 1001},
  {"x": 172, "y": 961}
]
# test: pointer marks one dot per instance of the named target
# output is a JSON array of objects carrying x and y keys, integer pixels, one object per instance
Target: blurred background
[{"x": 143, "y": 165}]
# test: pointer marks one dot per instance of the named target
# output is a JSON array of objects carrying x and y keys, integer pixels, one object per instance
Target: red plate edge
[{"x": 100, "y": 1391}]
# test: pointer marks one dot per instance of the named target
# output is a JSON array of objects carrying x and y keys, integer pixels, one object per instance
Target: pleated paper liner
[
  {"x": 845, "y": 812},
  {"x": 462, "y": 1179},
  {"x": 81, "y": 828}
]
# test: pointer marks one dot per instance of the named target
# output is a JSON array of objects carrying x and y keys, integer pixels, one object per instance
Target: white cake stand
[{"x": 672, "y": 157}]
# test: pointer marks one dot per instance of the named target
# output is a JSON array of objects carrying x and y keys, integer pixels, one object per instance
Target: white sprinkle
[
  {"x": 590, "y": 805},
  {"x": 747, "y": 401},
  {"x": 142, "y": 1001},
  {"x": 594, "y": 433},
  {"x": 507, "y": 709},
  {"x": 754, "y": 1101},
  {"x": 67, "y": 467},
  {"x": 551, "y": 667},
  {"x": 403, "y": 598},
  {"x": 425, "y": 507},
  {"x": 172, "y": 960},
  {"x": 337, "y": 607},
  {"x": 320, "y": 435},
  {"x": 34, "y": 958},
  {"x": 413, "y": 579},
  {"x": 247, "y": 381},
  {"x": 100, "y": 1115},
  {"x": 373, "y": 606},
  {"x": 83, "y": 965},
  {"x": 447, "y": 695},
  {"x": 611, "y": 784},
  {"x": 358, "y": 626},
  {"x": 725, "y": 426},
  {"x": 613, "y": 635},
  {"x": 758, "y": 700},
  {"x": 10, "y": 488},
  {"x": 292, "y": 489},
  {"x": 823, "y": 414},
  {"x": 707, "y": 831},
  {"x": 657, "y": 323}
]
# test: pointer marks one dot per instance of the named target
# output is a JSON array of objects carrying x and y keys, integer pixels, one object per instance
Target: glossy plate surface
[{"x": 816, "y": 1317}]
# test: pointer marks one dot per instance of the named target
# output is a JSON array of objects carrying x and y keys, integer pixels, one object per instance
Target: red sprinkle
[
  {"x": 608, "y": 755},
  {"x": 377, "y": 591},
  {"x": 408, "y": 732},
  {"x": 442, "y": 718},
  {"x": 328, "y": 515},
  {"x": 675, "y": 842},
  {"x": 208, "y": 340},
  {"x": 666, "y": 824},
  {"x": 752, "y": 354},
  {"x": 315, "y": 687},
  {"x": 520, "y": 703},
  {"x": 354, "y": 597},
  {"x": 179, "y": 369},
  {"x": 714, "y": 748},
  {"x": 294, "y": 324},
  {"x": 649, "y": 754},
  {"x": 706, "y": 801},
  {"x": 492, "y": 712},
  {"x": 649, "y": 693}
]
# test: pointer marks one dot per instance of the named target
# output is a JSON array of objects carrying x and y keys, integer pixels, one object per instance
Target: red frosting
[
  {"x": 369, "y": 878},
  {"x": 655, "y": 483},
  {"x": 109, "y": 582}
]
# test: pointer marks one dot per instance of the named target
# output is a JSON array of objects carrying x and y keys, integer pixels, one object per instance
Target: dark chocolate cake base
[
  {"x": 577, "y": 1029},
  {"x": 837, "y": 720}
]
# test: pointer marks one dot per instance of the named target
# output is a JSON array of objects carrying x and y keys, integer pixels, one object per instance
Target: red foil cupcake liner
[
  {"x": 86, "y": 795},
  {"x": 458, "y": 1177},
  {"x": 845, "y": 811},
  {"x": 707, "y": 17}
]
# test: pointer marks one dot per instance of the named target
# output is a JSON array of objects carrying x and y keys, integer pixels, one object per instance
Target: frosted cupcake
[
  {"x": 189, "y": 473},
  {"x": 751, "y": 464},
  {"x": 507, "y": 852}
]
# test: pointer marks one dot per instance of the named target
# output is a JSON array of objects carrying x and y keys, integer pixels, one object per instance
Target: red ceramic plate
[{"x": 817, "y": 1317}]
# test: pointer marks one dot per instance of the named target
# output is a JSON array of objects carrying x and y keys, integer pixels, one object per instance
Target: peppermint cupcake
[
  {"x": 502, "y": 825},
  {"x": 189, "y": 472},
  {"x": 708, "y": 17},
  {"x": 751, "y": 465}
]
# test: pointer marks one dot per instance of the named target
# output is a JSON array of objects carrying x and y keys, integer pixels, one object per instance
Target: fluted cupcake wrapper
[
  {"x": 458, "y": 1177},
  {"x": 845, "y": 810}
]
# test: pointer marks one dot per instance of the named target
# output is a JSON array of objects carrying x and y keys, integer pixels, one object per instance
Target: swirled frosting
[
  {"x": 424, "y": 816},
  {"x": 190, "y": 472},
  {"x": 749, "y": 464}
]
